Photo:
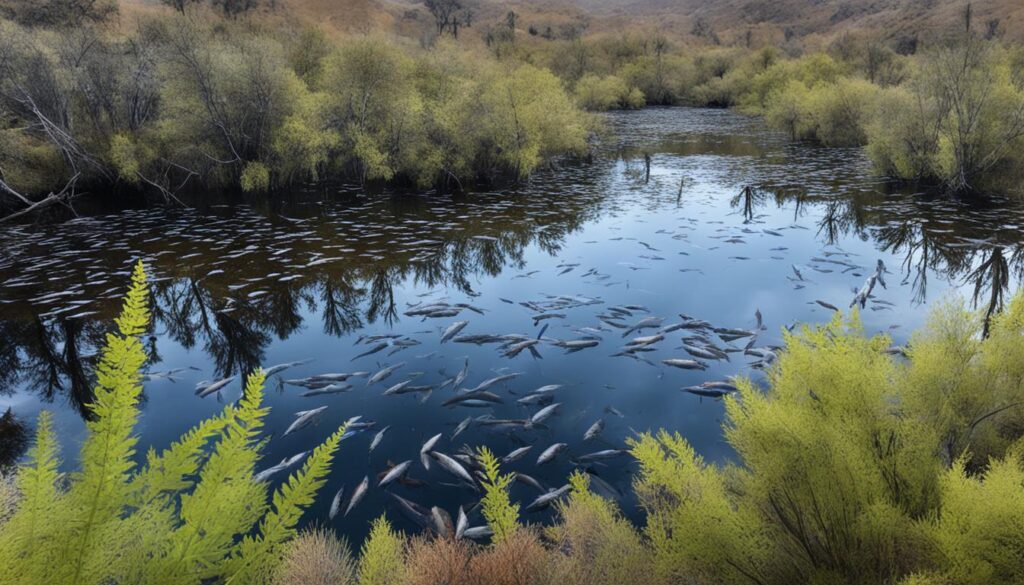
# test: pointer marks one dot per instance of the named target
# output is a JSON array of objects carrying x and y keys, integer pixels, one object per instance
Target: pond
[{"x": 732, "y": 235}]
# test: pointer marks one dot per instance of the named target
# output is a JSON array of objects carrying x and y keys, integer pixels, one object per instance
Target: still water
[{"x": 733, "y": 226}]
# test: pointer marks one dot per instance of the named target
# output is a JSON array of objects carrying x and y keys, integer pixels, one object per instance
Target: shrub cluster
[{"x": 192, "y": 100}]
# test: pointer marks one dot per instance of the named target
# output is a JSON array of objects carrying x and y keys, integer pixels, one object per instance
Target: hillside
[{"x": 730, "y": 21}]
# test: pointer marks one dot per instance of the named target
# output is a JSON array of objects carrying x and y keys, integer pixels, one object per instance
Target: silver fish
[
  {"x": 685, "y": 364},
  {"x": 594, "y": 430},
  {"x": 395, "y": 473},
  {"x": 426, "y": 448},
  {"x": 551, "y": 452},
  {"x": 357, "y": 495},
  {"x": 383, "y": 373},
  {"x": 204, "y": 390},
  {"x": 378, "y": 437},
  {"x": 453, "y": 330},
  {"x": 336, "y": 503},
  {"x": 452, "y": 466},
  {"x": 546, "y": 499},
  {"x": 461, "y": 524},
  {"x": 516, "y": 454},
  {"x": 305, "y": 417}
]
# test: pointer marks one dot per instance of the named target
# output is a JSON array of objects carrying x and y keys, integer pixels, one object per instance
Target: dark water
[{"x": 243, "y": 285}]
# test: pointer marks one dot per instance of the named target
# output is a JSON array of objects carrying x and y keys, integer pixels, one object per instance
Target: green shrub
[{"x": 854, "y": 467}]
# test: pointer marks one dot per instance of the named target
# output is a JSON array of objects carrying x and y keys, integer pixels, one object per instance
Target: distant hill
[{"x": 729, "y": 21}]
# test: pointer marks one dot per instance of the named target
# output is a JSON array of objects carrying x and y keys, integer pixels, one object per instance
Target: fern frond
[
  {"x": 174, "y": 469},
  {"x": 26, "y": 546},
  {"x": 99, "y": 494},
  {"x": 257, "y": 556},
  {"x": 382, "y": 558},
  {"x": 225, "y": 503},
  {"x": 501, "y": 514}
]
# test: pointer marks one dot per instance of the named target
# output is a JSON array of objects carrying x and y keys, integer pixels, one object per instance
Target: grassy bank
[{"x": 855, "y": 465}]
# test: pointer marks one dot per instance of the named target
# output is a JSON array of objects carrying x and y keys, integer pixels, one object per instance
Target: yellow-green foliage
[
  {"x": 255, "y": 177},
  {"x": 501, "y": 514},
  {"x": 607, "y": 93},
  {"x": 959, "y": 120},
  {"x": 599, "y": 545},
  {"x": 192, "y": 514},
  {"x": 855, "y": 467},
  {"x": 382, "y": 558}
]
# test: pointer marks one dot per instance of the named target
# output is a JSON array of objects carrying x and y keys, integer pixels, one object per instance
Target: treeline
[
  {"x": 852, "y": 467},
  {"x": 951, "y": 113},
  {"x": 188, "y": 100}
]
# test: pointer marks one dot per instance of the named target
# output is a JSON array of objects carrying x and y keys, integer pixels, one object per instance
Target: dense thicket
[{"x": 183, "y": 101}]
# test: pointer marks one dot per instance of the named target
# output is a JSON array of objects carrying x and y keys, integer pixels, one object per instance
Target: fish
[
  {"x": 412, "y": 510},
  {"x": 452, "y": 466},
  {"x": 336, "y": 503},
  {"x": 545, "y": 500},
  {"x": 477, "y": 533},
  {"x": 645, "y": 323},
  {"x": 384, "y": 373},
  {"x": 544, "y": 413},
  {"x": 551, "y": 452},
  {"x": 483, "y": 395},
  {"x": 461, "y": 524},
  {"x": 442, "y": 522},
  {"x": 394, "y": 473},
  {"x": 205, "y": 389},
  {"x": 277, "y": 369},
  {"x": 461, "y": 376},
  {"x": 829, "y": 306},
  {"x": 426, "y": 448},
  {"x": 378, "y": 437},
  {"x": 685, "y": 364},
  {"x": 304, "y": 418},
  {"x": 516, "y": 454},
  {"x": 595, "y": 430},
  {"x": 357, "y": 495},
  {"x": 462, "y": 426},
  {"x": 379, "y": 347},
  {"x": 601, "y": 455},
  {"x": 283, "y": 465},
  {"x": 453, "y": 330},
  {"x": 330, "y": 389}
]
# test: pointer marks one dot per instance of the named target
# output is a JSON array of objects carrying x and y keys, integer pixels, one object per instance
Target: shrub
[
  {"x": 192, "y": 514},
  {"x": 854, "y": 467},
  {"x": 316, "y": 557}
]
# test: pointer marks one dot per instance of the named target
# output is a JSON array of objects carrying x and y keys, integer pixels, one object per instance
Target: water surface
[{"x": 313, "y": 276}]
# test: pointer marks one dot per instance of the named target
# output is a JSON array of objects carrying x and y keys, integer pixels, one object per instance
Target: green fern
[
  {"x": 188, "y": 517},
  {"x": 501, "y": 514},
  {"x": 383, "y": 555},
  {"x": 255, "y": 555}
]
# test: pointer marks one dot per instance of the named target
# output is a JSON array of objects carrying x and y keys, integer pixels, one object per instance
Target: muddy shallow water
[{"x": 586, "y": 251}]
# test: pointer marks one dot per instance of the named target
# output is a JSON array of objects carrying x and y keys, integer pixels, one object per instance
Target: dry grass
[
  {"x": 439, "y": 561},
  {"x": 317, "y": 557},
  {"x": 520, "y": 559}
]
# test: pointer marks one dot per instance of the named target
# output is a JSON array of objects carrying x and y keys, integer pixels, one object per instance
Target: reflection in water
[{"x": 13, "y": 439}]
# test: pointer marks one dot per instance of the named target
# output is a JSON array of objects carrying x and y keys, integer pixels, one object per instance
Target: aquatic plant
[
  {"x": 501, "y": 514},
  {"x": 191, "y": 514}
]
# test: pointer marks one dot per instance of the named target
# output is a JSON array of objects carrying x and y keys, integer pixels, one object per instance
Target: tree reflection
[{"x": 234, "y": 313}]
